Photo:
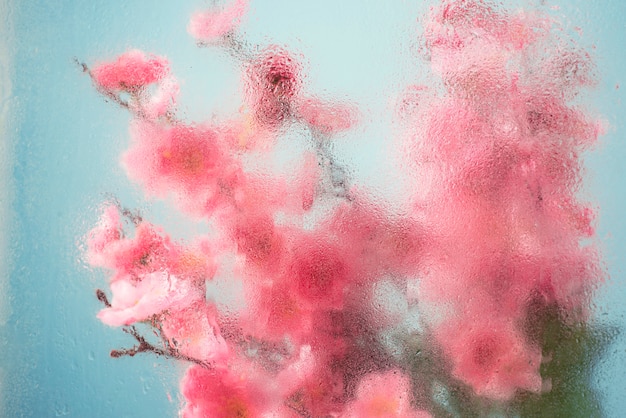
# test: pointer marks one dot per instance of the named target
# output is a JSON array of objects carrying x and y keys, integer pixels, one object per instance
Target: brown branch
[
  {"x": 102, "y": 297},
  {"x": 146, "y": 347}
]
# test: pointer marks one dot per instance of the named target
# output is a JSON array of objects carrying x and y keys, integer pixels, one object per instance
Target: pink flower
[
  {"x": 138, "y": 300},
  {"x": 276, "y": 312},
  {"x": 299, "y": 369},
  {"x": 194, "y": 332},
  {"x": 491, "y": 356},
  {"x": 320, "y": 272},
  {"x": 194, "y": 262},
  {"x": 185, "y": 160},
  {"x": 101, "y": 238},
  {"x": 383, "y": 395},
  {"x": 273, "y": 81},
  {"x": 222, "y": 393},
  {"x": 321, "y": 393},
  {"x": 381, "y": 245},
  {"x": 330, "y": 118},
  {"x": 458, "y": 23},
  {"x": 131, "y": 70},
  {"x": 258, "y": 239},
  {"x": 107, "y": 246},
  {"x": 568, "y": 277},
  {"x": 163, "y": 100},
  {"x": 212, "y": 24},
  {"x": 146, "y": 252}
]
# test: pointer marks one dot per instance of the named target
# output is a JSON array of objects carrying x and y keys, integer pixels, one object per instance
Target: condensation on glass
[{"x": 311, "y": 209}]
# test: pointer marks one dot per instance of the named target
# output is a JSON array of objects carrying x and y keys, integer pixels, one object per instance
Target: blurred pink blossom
[
  {"x": 383, "y": 395},
  {"x": 194, "y": 332},
  {"x": 491, "y": 356},
  {"x": 330, "y": 118},
  {"x": 101, "y": 238},
  {"x": 209, "y": 25},
  {"x": 272, "y": 82},
  {"x": 129, "y": 71},
  {"x": 138, "y": 300},
  {"x": 221, "y": 392},
  {"x": 187, "y": 161}
]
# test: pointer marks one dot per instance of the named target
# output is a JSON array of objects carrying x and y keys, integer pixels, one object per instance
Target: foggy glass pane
[{"x": 309, "y": 209}]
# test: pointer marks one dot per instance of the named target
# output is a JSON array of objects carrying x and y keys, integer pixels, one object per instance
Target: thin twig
[
  {"x": 146, "y": 347},
  {"x": 102, "y": 297}
]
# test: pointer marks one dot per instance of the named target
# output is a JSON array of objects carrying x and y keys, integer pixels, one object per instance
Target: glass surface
[{"x": 60, "y": 160}]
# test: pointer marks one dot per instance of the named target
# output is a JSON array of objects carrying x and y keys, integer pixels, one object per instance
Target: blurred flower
[
  {"x": 138, "y": 300},
  {"x": 131, "y": 70},
  {"x": 223, "y": 393},
  {"x": 212, "y": 24},
  {"x": 330, "y": 118},
  {"x": 101, "y": 238},
  {"x": 383, "y": 395},
  {"x": 188, "y": 161},
  {"x": 193, "y": 332},
  {"x": 149, "y": 250},
  {"x": 273, "y": 80},
  {"x": 491, "y": 356}
]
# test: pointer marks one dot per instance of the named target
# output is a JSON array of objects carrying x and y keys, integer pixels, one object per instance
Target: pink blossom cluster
[
  {"x": 495, "y": 229},
  {"x": 500, "y": 147}
]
